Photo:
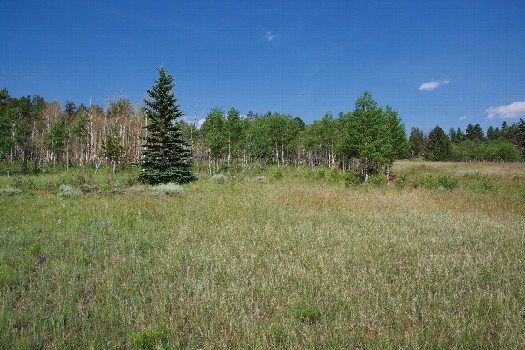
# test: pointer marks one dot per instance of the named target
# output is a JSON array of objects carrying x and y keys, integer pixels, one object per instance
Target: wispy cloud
[
  {"x": 270, "y": 36},
  {"x": 463, "y": 117},
  {"x": 514, "y": 110},
  {"x": 432, "y": 85}
]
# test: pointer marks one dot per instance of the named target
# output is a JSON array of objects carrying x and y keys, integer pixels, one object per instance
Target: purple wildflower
[{"x": 42, "y": 257}]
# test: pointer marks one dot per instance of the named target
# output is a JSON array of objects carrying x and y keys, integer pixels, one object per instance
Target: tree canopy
[{"x": 166, "y": 155}]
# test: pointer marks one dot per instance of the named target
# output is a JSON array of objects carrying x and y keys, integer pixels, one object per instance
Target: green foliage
[
  {"x": 68, "y": 192},
  {"x": 372, "y": 134},
  {"x": 34, "y": 249},
  {"x": 166, "y": 156},
  {"x": 447, "y": 182},
  {"x": 438, "y": 145},
  {"x": 214, "y": 132},
  {"x": 479, "y": 182},
  {"x": 150, "y": 339},
  {"x": 416, "y": 142},
  {"x": 277, "y": 333},
  {"x": 309, "y": 313},
  {"x": 426, "y": 182},
  {"x": 275, "y": 173},
  {"x": 334, "y": 175},
  {"x": 498, "y": 150},
  {"x": 352, "y": 178},
  {"x": 10, "y": 191},
  {"x": 377, "y": 180},
  {"x": 112, "y": 148}
]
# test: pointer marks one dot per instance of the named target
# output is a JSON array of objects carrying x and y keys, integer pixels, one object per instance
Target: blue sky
[{"x": 446, "y": 63}]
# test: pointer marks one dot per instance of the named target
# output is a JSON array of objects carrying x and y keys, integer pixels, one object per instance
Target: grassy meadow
[{"x": 283, "y": 258}]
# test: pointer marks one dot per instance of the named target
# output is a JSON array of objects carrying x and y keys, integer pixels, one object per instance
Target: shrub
[
  {"x": 219, "y": 178},
  {"x": 85, "y": 188},
  {"x": 447, "y": 182},
  {"x": 377, "y": 180},
  {"x": 276, "y": 173},
  {"x": 401, "y": 181},
  {"x": 426, "y": 182},
  {"x": 335, "y": 175},
  {"x": 480, "y": 182},
  {"x": 259, "y": 179},
  {"x": 485, "y": 185},
  {"x": 10, "y": 191},
  {"x": 68, "y": 192},
  {"x": 116, "y": 187},
  {"x": 319, "y": 173},
  {"x": 169, "y": 189},
  {"x": 352, "y": 178}
]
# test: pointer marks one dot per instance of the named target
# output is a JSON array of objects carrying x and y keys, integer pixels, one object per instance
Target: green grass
[{"x": 297, "y": 261}]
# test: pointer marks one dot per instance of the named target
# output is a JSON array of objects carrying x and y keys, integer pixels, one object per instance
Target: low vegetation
[{"x": 272, "y": 258}]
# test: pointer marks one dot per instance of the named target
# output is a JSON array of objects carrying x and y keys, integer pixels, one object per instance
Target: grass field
[{"x": 296, "y": 260}]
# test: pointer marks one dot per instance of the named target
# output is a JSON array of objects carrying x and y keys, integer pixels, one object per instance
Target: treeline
[
  {"x": 367, "y": 138},
  {"x": 499, "y": 144},
  {"x": 48, "y": 133}
]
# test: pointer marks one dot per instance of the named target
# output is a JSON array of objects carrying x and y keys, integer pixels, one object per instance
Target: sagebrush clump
[
  {"x": 10, "y": 191},
  {"x": 169, "y": 189},
  {"x": 68, "y": 192},
  {"x": 219, "y": 178}
]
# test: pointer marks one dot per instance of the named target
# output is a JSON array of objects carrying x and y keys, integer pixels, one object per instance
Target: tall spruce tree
[{"x": 166, "y": 156}]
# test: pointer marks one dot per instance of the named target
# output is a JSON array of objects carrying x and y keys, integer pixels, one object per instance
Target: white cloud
[
  {"x": 200, "y": 122},
  {"x": 432, "y": 85},
  {"x": 270, "y": 36},
  {"x": 463, "y": 117},
  {"x": 514, "y": 110}
]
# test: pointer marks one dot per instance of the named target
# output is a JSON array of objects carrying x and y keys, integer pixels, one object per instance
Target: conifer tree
[{"x": 166, "y": 156}]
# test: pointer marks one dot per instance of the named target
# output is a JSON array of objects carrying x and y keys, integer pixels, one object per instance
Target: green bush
[
  {"x": 320, "y": 172},
  {"x": 169, "y": 189},
  {"x": 68, "y": 192},
  {"x": 426, "y": 181},
  {"x": 485, "y": 185},
  {"x": 401, "y": 181},
  {"x": 352, "y": 178},
  {"x": 335, "y": 175},
  {"x": 447, "y": 182},
  {"x": 479, "y": 182},
  {"x": 377, "y": 180}
]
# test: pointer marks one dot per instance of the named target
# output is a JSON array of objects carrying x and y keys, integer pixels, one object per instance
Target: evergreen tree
[
  {"x": 166, "y": 156},
  {"x": 520, "y": 137},
  {"x": 474, "y": 132},
  {"x": 416, "y": 142},
  {"x": 438, "y": 146}
]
